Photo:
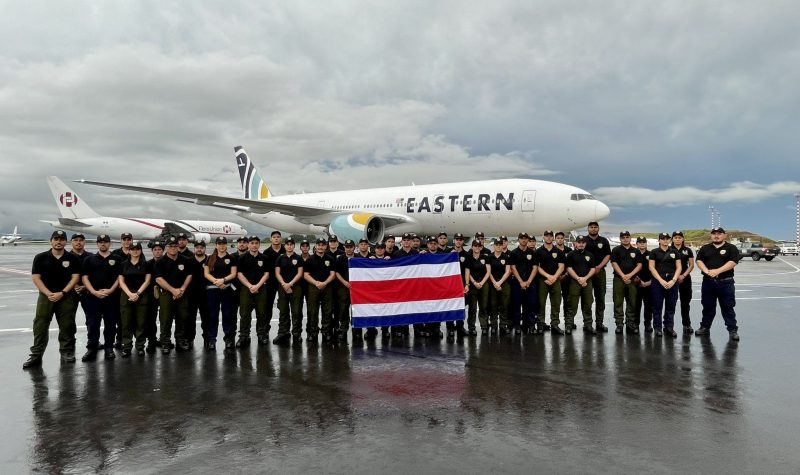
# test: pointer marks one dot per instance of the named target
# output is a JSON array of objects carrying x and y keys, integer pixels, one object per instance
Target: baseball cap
[
  {"x": 560, "y": 233},
  {"x": 718, "y": 229},
  {"x": 241, "y": 239},
  {"x": 333, "y": 238},
  {"x": 221, "y": 240},
  {"x": 593, "y": 223},
  {"x": 580, "y": 238},
  {"x": 103, "y": 238},
  {"x": 321, "y": 241},
  {"x": 172, "y": 241},
  {"x": 136, "y": 245},
  {"x": 78, "y": 236},
  {"x": 406, "y": 236},
  {"x": 389, "y": 236},
  {"x": 380, "y": 245},
  {"x": 458, "y": 236},
  {"x": 664, "y": 236},
  {"x": 503, "y": 238},
  {"x": 497, "y": 241},
  {"x": 253, "y": 237},
  {"x": 289, "y": 240},
  {"x": 547, "y": 232},
  {"x": 431, "y": 239},
  {"x": 155, "y": 244},
  {"x": 363, "y": 240},
  {"x": 58, "y": 235},
  {"x": 182, "y": 236},
  {"x": 274, "y": 233},
  {"x": 641, "y": 239},
  {"x": 475, "y": 242},
  {"x": 349, "y": 243},
  {"x": 200, "y": 243},
  {"x": 677, "y": 233},
  {"x": 441, "y": 233},
  {"x": 126, "y": 236},
  {"x": 479, "y": 234},
  {"x": 305, "y": 242},
  {"x": 523, "y": 235},
  {"x": 625, "y": 233}
]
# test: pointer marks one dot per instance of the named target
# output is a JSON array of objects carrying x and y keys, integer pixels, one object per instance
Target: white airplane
[
  {"x": 12, "y": 238},
  {"x": 77, "y": 216},
  {"x": 500, "y": 207}
]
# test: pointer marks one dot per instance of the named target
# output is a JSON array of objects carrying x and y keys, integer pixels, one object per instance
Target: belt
[{"x": 717, "y": 279}]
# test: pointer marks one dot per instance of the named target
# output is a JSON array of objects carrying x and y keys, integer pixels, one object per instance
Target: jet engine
[
  {"x": 356, "y": 226},
  {"x": 205, "y": 237}
]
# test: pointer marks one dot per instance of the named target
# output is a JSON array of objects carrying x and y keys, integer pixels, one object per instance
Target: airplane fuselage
[{"x": 146, "y": 228}]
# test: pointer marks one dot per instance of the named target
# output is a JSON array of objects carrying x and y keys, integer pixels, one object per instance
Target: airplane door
[
  {"x": 529, "y": 200},
  {"x": 321, "y": 203}
]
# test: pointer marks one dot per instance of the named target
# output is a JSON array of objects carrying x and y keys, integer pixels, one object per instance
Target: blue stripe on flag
[
  {"x": 408, "y": 319},
  {"x": 404, "y": 261}
]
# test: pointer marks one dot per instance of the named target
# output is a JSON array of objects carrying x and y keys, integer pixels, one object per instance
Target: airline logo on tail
[
  {"x": 68, "y": 199},
  {"x": 253, "y": 185}
]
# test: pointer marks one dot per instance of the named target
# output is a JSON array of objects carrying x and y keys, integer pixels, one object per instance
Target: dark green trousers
[
  {"x": 498, "y": 304},
  {"x": 478, "y": 304},
  {"x": 247, "y": 303},
  {"x": 316, "y": 299},
  {"x": 64, "y": 311},
  {"x": 343, "y": 307},
  {"x": 624, "y": 296},
  {"x": 133, "y": 319},
  {"x": 290, "y": 309},
  {"x": 575, "y": 294},
  {"x": 599, "y": 285},
  {"x": 173, "y": 311},
  {"x": 554, "y": 292}
]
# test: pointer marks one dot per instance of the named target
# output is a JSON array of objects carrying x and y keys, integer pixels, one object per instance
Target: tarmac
[{"x": 511, "y": 404}]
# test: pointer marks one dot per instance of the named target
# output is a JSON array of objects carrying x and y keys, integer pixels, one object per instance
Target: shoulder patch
[
  {"x": 503, "y": 261},
  {"x": 111, "y": 262},
  {"x": 530, "y": 256},
  {"x": 483, "y": 261}
]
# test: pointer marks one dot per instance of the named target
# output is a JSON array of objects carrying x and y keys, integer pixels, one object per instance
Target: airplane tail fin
[
  {"x": 15, "y": 231},
  {"x": 253, "y": 185},
  {"x": 68, "y": 202}
]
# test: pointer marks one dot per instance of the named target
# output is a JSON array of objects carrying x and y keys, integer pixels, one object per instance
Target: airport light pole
[
  {"x": 797, "y": 220},
  {"x": 715, "y": 217}
]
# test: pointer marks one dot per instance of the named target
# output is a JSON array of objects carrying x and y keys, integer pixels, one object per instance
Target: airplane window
[{"x": 574, "y": 197}]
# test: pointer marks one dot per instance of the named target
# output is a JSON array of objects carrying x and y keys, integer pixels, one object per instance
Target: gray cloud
[{"x": 745, "y": 191}]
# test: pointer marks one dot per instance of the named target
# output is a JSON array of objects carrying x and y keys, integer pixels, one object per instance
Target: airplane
[
  {"x": 502, "y": 207},
  {"x": 76, "y": 215},
  {"x": 12, "y": 238}
]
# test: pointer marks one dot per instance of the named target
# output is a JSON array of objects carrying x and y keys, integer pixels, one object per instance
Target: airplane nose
[{"x": 601, "y": 211}]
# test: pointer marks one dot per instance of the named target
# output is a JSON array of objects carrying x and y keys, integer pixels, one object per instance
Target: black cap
[
  {"x": 182, "y": 236},
  {"x": 641, "y": 239},
  {"x": 363, "y": 240},
  {"x": 441, "y": 233},
  {"x": 677, "y": 233},
  {"x": 333, "y": 238},
  {"x": 547, "y": 232},
  {"x": 497, "y": 242},
  {"x": 431, "y": 239},
  {"x": 200, "y": 243},
  {"x": 380, "y": 245},
  {"x": 533, "y": 238},
  {"x": 406, "y": 236},
  {"x": 126, "y": 236},
  {"x": 78, "y": 236},
  {"x": 458, "y": 236},
  {"x": 664, "y": 236},
  {"x": 580, "y": 238},
  {"x": 476, "y": 242},
  {"x": 103, "y": 238},
  {"x": 479, "y": 234},
  {"x": 136, "y": 245},
  {"x": 414, "y": 236},
  {"x": 321, "y": 241},
  {"x": 274, "y": 233},
  {"x": 171, "y": 240},
  {"x": 253, "y": 237},
  {"x": 349, "y": 243},
  {"x": 718, "y": 229},
  {"x": 523, "y": 235},
  {"x": 593, "y": 223},
  {"x": 58, "y": 235},
  {"x": 624, "y": 233},
  {"x": 305, "y": 242},
  {"x": 289, "y": 240},
  {"x": 241, "y": 239},
  {"x": 155, "y": 244},
  {"x": 221, "y": 240},
  {"x": 389, "y": 236}
]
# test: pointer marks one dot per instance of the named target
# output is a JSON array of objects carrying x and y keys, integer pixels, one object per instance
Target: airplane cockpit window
[{"x": 581, "y": 196}]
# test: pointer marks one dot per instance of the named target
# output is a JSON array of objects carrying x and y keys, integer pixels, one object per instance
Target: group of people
[{"x": 138, "y": 301}]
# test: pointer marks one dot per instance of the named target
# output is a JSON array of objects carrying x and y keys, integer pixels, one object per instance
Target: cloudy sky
[{"x": 659, "y": 108}]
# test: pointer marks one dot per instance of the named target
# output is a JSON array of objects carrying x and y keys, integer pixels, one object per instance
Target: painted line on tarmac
[
  {"x": 17, "y": 291},
  {"x": 14, "y": 271},
  {"x": 795, "y": 271}
]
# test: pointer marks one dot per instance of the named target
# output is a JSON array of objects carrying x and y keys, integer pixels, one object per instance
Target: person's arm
[
  {"x": 506, "y": 275},
  {"x": 559, "y": 271},
  {"x": 627, "y": 277},
  {"x": 232, "y": 276},
  {"x": 342, "y": 280},
  {"x": 689, "y": 268},
  {"x": 486, "y": 277},
  {"x": 124, "y": 287},
  {"x": 617, "y": 270}
]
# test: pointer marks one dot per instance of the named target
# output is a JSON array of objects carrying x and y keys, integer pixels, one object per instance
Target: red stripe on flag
[{"x": 406, "y": 290}]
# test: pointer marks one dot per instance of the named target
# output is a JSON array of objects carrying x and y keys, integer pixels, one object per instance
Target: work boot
[
  {"x": 32, "y": 362},
  {"x": 244, "y": 341},
  {"x": 574, "y": 326},
  {"x": 297, "y": 338},
  {"x": 140, "y": 351},
  {"x": 151, "y": 347},
  {"x": 68, "y": 357},
  {"x": 109, "y": 353},
  {"x": 688, "y": 330},
  {"x": 671, "y": 332},
  {"x": 211, "y": 346},
  {"x": 568, "y": 329},
  {"x": 601, "y": 328},
  {"x": 555, "y": 330},
  {"x": 648, "y": 329},
  {"x": 589, "y": 330},
  {"x": 702, "y": 331},
  {"x": 263, "y": 340},
  {"x": 165, "y": 350},
  {"x": 126, "y": 353},
  {"x": 631, "y": 330},
  {"x": 659, "y": 332},
  {"x": 618, "y": 331},
  {"x": 281, "y": 339},
  {"x": 734, "y": 335},
  {"x": 90, "y": 355}
]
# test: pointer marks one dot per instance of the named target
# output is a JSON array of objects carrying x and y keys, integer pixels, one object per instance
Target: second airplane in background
[{"x": 500, "y": 207}]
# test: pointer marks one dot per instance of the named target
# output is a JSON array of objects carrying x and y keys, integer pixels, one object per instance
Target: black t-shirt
[
  {"x": 644, "y": 273},
  {"x": 253, "y": 267},
  {"x": 134, "y": 274},
  {"x": 102, "y": 271},
  {"x": 498, "y": 264},
  {"x": 319, "y": 268},
  {"x": 187, "y": 253},
  {"x": 174, "y": 271},
  {"x": 288, "y": 266},
  {"x": 222, "y": 266},
  {"x": 715, "y": 257},
  {"x": 341, "y": 267},
  {"x": 199, "y": 281},
  {"x": 338, "y": 252},
  {"x": 402, "y": 253},
  {"x": 83, "y": 256},
  {"x": 477, "y": 267},
  {"x": 120, "y": 254},
  {"x": 684, "y": 254},
  {"x": 272, "y": 256},
  {"x": 462, "y": 259},
  {"x": 524, "y": 261},
  {"x": 549, "y": 260},
  {"x": 581, "y": 262},
  {"x": 385, "y": 256},
  {"x": 626, "y": 259},
  {"x": 151, "y": 269},
  {"x": 56, "y": 272},
  {"x": 666, "y": 261},
  {"x": 599, "y": 248}
]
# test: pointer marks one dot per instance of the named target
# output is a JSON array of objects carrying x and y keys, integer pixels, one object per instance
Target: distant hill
[{"x": 698, "y": 237}]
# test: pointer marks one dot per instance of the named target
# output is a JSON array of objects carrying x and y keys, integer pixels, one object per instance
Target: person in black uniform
[
  {"x": 305, "y": 255},
  {"x": 524, "y": 264},
  {"x": 253, "y": 272},
  {"x": 134, "y": 281},
  {"x": 196, "y": 295},
  {"x": 479, "y": 236},
  {"x": 390, "y": 245},
  {"x": 416, "y": 242},
  {"x": 271, "y": 253},
  {"x": 686, "y": 256},
  {"x": 406, "y": 249},
  {"x": 716, "y": 261},
  {"x": 342, "y": 291},
  {"x": 289, "y": 272},
  {"x": 581, "y": 267},
  {"x": 183, "y": 245},
  {"x": 500, "y": 290},
  {"x": 644, "y": 294},
  {"x": 319, "y": 273},
  {"x": 78, "y": 245},
  {"x": 600, "y": 248},
  {"x": 173, "y": 274},
  {"x": 626, "y": 263},
  {"x": 151, "y": 327},
  {"x": 441, "y": 241},
  {"x": 551, "y": 266},
  {"x": 432, "y": 329},
  {"x": 565, "y": 279},
  {"x": 124, "y": 251},
  {"x": 99, "y": 274},
  {"x": 380, "y": 253},
  {"x": 220, "y": 270},
  {"x": 334, "y": 248},
  {"x": 241, "y": 250},
  {"x": 457, "y": 327},
  {"x": 477, "y": 274},
  {"x": 54, "y": 273},
  {"x": 665, "y": 266}
]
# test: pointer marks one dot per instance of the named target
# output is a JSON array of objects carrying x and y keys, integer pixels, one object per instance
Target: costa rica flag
[{"x": 422, "y": 288}]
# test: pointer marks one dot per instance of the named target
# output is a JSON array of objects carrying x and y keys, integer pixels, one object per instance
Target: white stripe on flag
[
  {"x": 404, "y": 308},
  {"x": 405, "y": 272}
]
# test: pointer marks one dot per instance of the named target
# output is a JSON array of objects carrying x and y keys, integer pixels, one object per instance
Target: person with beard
[
  {"x": 78, "y": 249},
  {"x": 626, "y": 264},
  {"x": 524, "y": 264},
  {"x": 289, "y": 272},
  {"x": 551, "y": 266},
  {"x": 580, "y": 266},
  {"x": 716, "y": 261},
  {"x": 253, "y": 272},
  {"x": 173, "y": 274},
  {"x": 600, "y": 248},
  {"x": 197, "y": 298},
  {"x": 99, "y": 273},
  {"x": 54, "y": 273}
]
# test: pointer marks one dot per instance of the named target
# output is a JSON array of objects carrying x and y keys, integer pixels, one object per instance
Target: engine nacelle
[
  {"x": 205, "y": 237},
  {"x": 356, "y": 226}
]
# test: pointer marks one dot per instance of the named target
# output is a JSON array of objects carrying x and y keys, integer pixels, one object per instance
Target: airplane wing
[{"x": 304, "y": 213}]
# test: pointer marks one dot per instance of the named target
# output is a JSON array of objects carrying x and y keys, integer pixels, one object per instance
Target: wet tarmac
[{"x": 501, "y": 405}]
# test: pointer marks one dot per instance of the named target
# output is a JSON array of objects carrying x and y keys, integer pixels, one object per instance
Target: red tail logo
[{"x": 68, "y": 199}]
